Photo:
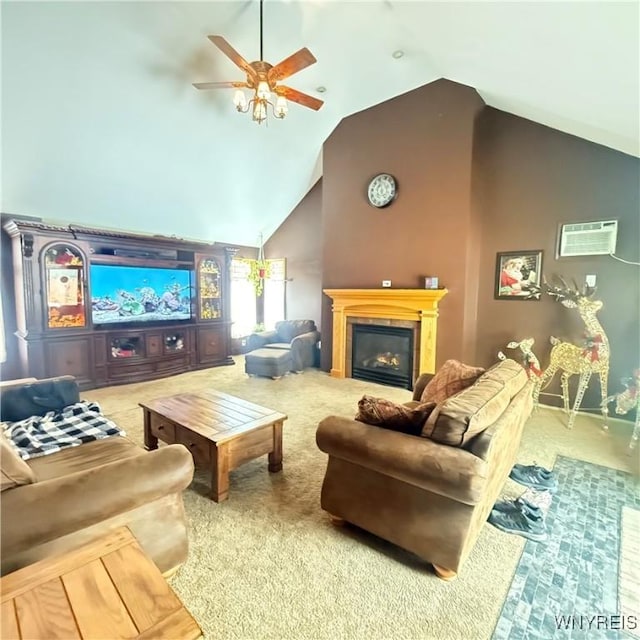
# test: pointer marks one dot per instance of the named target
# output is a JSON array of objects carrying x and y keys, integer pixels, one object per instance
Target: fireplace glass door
[{"x": 382, "y": 354}]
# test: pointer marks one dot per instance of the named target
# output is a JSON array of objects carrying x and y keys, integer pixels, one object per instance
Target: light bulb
[
  {"x": 263, "y": 90},
  {"x": 281, "y": 107},
  {"x": 239, "y": 100},
  {"x": 260, "y": 111}
]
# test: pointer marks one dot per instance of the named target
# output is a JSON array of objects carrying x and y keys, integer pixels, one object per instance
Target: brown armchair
[{"x": 428, "y": 497}]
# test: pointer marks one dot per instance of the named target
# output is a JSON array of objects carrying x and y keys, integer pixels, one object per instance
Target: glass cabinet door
[
  {"x": 64, "y": 274},
  {"x": 209, "y": 290}
]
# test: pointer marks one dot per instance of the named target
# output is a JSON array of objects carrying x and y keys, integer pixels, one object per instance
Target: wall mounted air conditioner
[{"x": 588, "y": 238}]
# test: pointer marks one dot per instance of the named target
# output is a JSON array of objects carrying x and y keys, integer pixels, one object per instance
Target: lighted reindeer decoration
[
  {"x": 530, "y": 363},
  {"x": 570, "y": 359},
  {"x": 628, "y": 400}
]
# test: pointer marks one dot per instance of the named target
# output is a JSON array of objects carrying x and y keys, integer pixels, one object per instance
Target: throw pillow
[
  {"x": 452, "y": 377},
  {"x": 398, "y": 417},
  {"x": 468, "y": 413}
]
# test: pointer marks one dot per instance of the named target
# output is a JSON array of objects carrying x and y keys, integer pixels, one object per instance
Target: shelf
[{"x": 98, "y": 258}]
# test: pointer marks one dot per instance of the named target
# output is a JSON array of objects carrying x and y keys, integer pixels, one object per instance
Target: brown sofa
[
  {"x": 425, "y": 496},
  {"x": 56, "y": 502}
]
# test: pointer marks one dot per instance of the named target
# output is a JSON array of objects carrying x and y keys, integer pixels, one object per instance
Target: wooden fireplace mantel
[{"x": 420, "y": 305}]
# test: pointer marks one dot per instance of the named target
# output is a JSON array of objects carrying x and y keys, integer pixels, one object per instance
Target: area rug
[{"x": 568, "y": 585}]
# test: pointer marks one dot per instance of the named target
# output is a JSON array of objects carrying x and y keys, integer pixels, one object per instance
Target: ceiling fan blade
[
  {"x": 219, "y": 85},
  {"x": 232, "y": 54},
  {"x": 294, "y": 63},
  {"x": 301, "y": 98}
]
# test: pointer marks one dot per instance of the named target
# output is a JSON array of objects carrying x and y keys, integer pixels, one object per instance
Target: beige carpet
[
  {"x": 267, "y": 563},
  {"x": 629, "y": 577}
]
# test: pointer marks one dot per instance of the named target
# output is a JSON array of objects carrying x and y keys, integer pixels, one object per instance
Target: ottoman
[{"x": 272, "y": 363}]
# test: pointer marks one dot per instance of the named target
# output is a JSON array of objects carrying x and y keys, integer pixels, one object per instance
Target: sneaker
[
  {"x": 530, "y": 510},
  {"x": 516, "y": 522},
  {"x": 540, "y": 471},
  {"x": 535, "y": 477}
]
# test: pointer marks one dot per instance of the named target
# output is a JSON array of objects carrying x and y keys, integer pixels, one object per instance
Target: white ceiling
[{"x": 100, "y": 123}]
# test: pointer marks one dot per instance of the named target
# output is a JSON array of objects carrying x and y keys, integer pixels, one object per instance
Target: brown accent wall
[
  {"x": 474, "y": 181},
  {"x": 425, "y": 139},
  {"x": 530, "y": 179},
  {"x": 299, "y": 240}
]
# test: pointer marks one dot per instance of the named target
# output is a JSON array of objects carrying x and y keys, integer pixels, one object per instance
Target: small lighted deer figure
[
  {"x": 570, "y": 359},
  {"x": 530, "y": 363},
  {"x": 627, "y": 400}
]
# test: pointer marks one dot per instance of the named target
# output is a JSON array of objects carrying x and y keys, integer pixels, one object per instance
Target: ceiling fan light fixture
[
  {"x": 263, "y": 92},
  {"x": 263, "y": 79},
  {"x": 281, "y": 108},
  {"x": 239, "y": 100},
  {"x": 259, "y": 111}
]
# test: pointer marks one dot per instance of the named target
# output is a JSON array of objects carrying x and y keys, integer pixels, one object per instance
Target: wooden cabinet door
[
  {"x": 212, "y": 345},
  {"x": 154, "y": 344},
  {"x": 70, "y": 356}
]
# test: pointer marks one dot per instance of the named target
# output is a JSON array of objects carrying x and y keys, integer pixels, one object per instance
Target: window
[
  {"x": 243, "y": 295},
  {"x": 274, "y": 292},
  {"x": 243, "y": 299}
]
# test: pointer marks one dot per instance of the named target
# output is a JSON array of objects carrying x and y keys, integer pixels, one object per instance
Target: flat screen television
[{"x": 126, "y": 294}]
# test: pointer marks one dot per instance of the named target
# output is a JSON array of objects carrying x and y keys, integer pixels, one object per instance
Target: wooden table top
[
  {"x": 105, "y": 589},
  {"x": 215, "y": 415}
]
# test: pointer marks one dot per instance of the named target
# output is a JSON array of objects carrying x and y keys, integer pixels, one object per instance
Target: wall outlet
[
  {"x": 590, "y": 280},
  {"x": 386, "y": 283}
]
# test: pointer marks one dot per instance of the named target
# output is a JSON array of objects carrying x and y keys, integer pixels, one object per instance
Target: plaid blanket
[{"x": 74, "y": 425}]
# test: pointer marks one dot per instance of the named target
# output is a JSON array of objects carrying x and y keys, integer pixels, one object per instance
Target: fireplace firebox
[{"x": 382, "y": 354}]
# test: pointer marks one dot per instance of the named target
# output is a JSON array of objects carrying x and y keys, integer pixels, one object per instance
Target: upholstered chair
[{"x": 300, "y": 337}]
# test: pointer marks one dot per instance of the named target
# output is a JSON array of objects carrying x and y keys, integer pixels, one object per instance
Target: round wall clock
[{"x": 382, "y": 190}]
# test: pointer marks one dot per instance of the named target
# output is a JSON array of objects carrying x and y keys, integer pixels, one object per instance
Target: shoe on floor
[
  {"x": 530, "y": 510},
  {"x": 516, "y": 522},
  {"x": 535, "y": 477},
  {"x": 541, "y": 471}
]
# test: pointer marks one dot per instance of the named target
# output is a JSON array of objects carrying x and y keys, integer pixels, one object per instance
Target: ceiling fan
[{"x": 263, "y": 79}]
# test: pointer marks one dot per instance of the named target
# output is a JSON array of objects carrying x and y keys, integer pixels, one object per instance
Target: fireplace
[
  {"x": 382, "y": 354},
  {"x": 416, "y": 309}
]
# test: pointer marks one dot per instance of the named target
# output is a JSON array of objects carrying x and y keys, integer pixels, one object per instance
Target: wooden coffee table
[
  {"x": 107, "y": 588},
  {"x": 221, "y": 431}
]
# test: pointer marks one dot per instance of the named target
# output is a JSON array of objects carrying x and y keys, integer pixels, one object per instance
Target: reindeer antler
[{"x": 567, "y": 292}]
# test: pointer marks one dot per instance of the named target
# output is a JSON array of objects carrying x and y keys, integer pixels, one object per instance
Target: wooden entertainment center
[{"x": 59, "y": 314}]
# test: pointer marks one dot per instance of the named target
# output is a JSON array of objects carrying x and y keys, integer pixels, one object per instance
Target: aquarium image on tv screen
[{"x": 120, "y": 293}]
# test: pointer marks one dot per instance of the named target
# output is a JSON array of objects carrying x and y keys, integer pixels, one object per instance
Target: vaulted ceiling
[{"x": 101, "y": 124}]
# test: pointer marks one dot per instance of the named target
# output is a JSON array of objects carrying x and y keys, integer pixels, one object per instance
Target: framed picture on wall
[{"x": 518, "y": 275}]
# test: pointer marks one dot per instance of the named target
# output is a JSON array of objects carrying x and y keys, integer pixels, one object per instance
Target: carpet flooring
[
  {"x": 561, "y": 583},
  {"x": 629, "y": 567},
  {"x": 267, "y": 563}
]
